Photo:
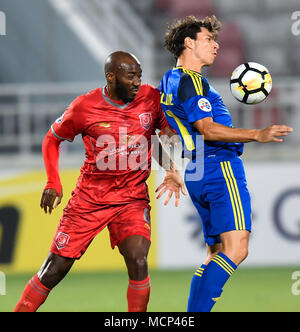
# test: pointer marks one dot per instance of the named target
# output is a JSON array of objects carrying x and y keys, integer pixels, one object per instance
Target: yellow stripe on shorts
[
  {"x": 238, "y": 195},
  {"x": 234, "y": 194}
]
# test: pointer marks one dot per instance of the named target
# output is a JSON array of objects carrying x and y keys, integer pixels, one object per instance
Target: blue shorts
[{"x": 221, "y": 197}]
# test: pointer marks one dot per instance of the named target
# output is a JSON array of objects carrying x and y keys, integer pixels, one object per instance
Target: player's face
[
  {"x": 128, "y": 81},
  {"x": 205, "y": 47}
]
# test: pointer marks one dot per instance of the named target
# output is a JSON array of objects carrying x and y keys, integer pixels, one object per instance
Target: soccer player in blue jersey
[{"x": 193, "y": 107}]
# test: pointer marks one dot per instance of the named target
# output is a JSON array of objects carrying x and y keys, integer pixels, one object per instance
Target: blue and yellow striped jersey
[{"x": 186, "y": 97}]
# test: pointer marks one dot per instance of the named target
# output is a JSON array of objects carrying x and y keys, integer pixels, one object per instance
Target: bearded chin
[{"x": 122, "y": 92}]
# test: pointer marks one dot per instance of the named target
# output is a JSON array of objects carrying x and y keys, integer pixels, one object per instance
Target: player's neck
[
  {"x": 189, "y": 64},
  {"x": 112, "y": 97}
]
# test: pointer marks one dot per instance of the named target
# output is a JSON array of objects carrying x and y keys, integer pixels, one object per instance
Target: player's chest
[{"x": 119, "y": 122}]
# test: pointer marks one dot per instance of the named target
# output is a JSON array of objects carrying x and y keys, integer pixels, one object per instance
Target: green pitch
[{"x": 259, "y": 289}]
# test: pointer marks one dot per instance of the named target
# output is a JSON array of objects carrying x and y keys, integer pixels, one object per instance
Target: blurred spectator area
[
  {"x": 54, "y": 51},
  {"x": 27, "y": 111},
  {"x": 256, "y": 30}
]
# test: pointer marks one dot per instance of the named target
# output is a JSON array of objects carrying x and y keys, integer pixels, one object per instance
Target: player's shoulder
[
  {"x": 191, "y": 84},
  {"x": 149, "y": 89},
  {"x": 150, "y": 92}
]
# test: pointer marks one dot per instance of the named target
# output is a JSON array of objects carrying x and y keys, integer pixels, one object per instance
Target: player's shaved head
[
  {"x": 119, "y": 60},
  {"x": 123, "y": 75}
]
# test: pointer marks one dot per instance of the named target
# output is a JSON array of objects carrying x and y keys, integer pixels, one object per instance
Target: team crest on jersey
[
  {"x": 62, "y": 240},
  {"x": 204, "y": 105},
  {"x": 146, "y": 120}
]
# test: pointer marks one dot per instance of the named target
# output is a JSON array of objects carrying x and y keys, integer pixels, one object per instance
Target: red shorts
[{"x": 82, "y": 221}]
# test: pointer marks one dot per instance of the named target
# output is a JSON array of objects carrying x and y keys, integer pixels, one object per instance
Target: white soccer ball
[{"x": 250, "y": 83}]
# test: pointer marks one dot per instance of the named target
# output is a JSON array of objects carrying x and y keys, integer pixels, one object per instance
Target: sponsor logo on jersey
[
  {"x": 146, "y": 120},
  {"x": 104, "y": 124},
  {"x": 204, "y": 105}
]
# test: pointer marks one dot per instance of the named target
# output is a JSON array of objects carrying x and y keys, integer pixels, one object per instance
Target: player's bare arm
[
  {"x": 173, "y": 182},
  {"x": 213, "y": 131}
]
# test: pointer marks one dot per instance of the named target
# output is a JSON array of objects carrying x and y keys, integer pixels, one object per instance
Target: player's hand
[
  {"x": 48, "y": 198},
  {"x": 273, "y": 133},
  {"x": 173, "y": 183}
]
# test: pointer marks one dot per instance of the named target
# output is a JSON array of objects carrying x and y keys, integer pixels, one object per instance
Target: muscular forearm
[
  {"x": 50, "y": 150},
  {"x": 213, "y": 131},
  {"x": 161, "y": 155}
]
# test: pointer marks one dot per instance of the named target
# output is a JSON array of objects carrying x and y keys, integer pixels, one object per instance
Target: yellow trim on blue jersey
[
  {"x": 187, "y": 138},
  {"x": 215, "y": 299},
  {"x": 197, "y": 80},
  {"x": 199, "y": 272},
  {"x": 192, "y": 71}
]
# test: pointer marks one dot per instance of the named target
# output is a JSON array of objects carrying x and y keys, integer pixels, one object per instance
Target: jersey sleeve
[
  {"x": 50, "y": 149},
  {"x": 192, "y": 95},
  {"x": 70, "y": 123}
]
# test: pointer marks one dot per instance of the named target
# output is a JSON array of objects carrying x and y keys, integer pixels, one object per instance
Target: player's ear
[
  {"x": 189, "y": 42},
  {"x": 110, "y": 78}
]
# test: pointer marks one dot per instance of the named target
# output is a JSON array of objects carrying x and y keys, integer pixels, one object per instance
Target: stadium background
[{"x": 53, "y": 50}]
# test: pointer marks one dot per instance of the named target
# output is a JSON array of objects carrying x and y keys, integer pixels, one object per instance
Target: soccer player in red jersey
[{"x": 116, "y": 123}]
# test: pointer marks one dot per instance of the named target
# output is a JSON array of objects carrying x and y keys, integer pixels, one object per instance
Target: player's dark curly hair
[{"x": 189, "y": 26}]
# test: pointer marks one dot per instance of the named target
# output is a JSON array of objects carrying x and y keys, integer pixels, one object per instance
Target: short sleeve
[
  {"x": 70, "y": 123},
  {"x": 192, "y": 94}
]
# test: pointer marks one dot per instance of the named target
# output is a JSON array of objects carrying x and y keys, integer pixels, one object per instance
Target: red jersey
[{"x": 117, "y": 140}]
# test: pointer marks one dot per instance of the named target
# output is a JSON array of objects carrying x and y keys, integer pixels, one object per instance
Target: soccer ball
[{"x": 250, "y": 83}]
